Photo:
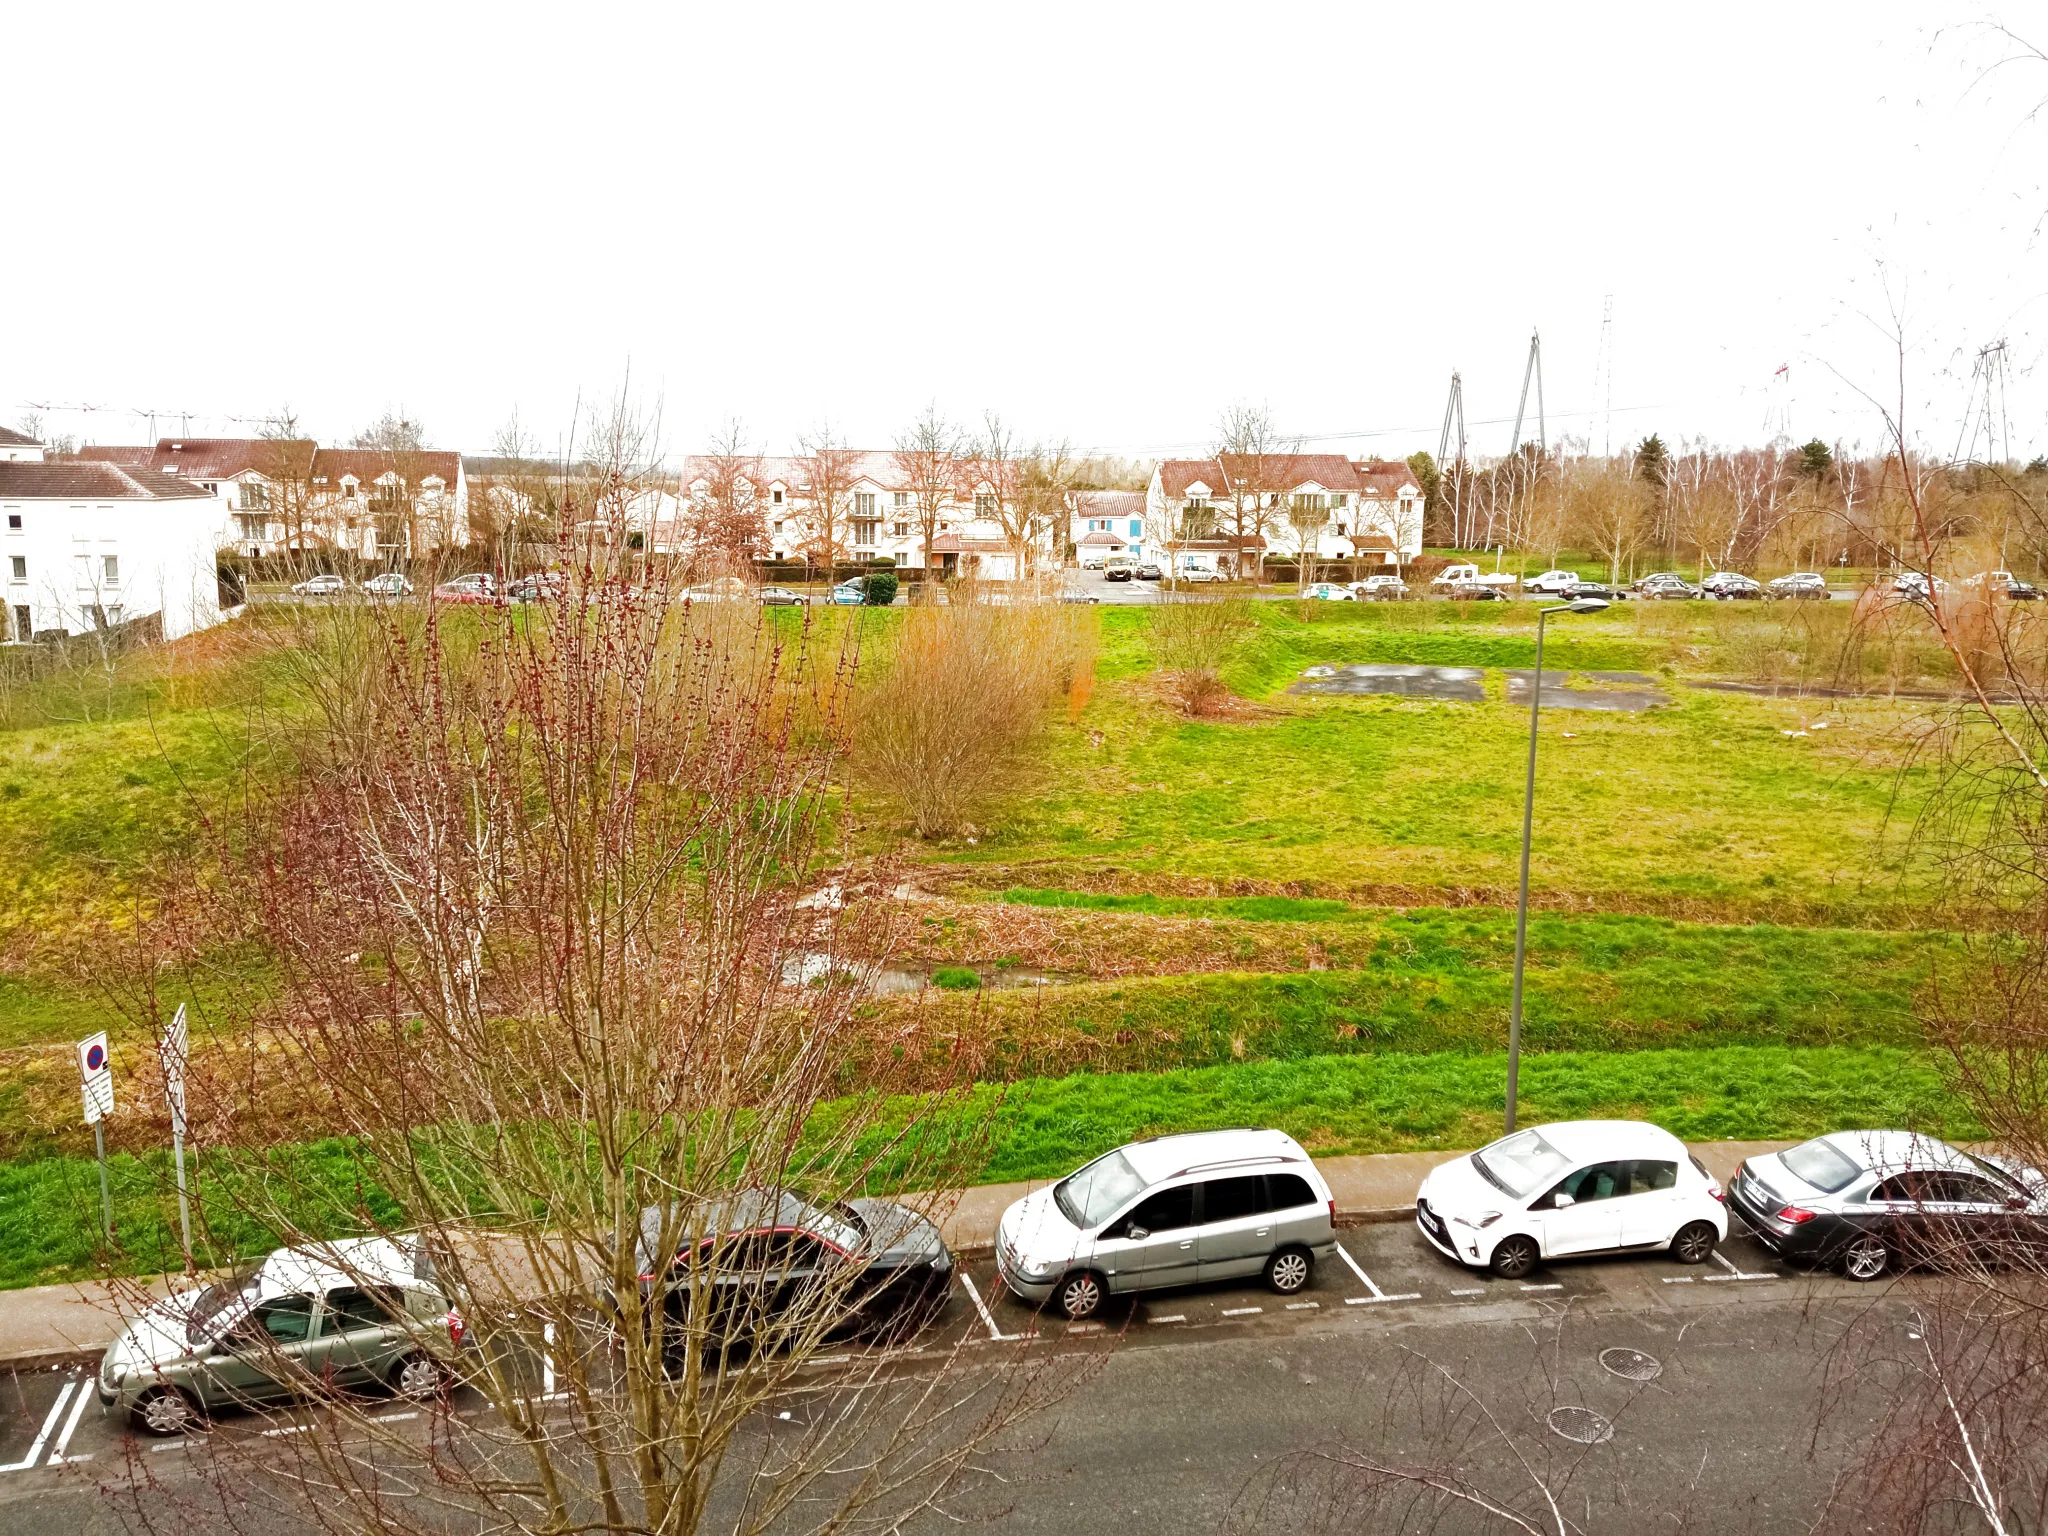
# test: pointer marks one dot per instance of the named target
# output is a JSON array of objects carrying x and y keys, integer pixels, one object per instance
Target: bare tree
[
  {"x": 1249, "y": 432},
  {"x": 828, "y": 467},
  {"x": 992, "y": 473},
  {"x": 926, "y": 457},
  {"x": 284, "y": 458},
  {"x": 1192, "y": 637},
  {"x": 728, "y": 512},
  {"x": 1044, "y": 505}
]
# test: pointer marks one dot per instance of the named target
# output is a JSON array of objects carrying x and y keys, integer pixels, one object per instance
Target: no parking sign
[{"x": 96, "y": 1076}]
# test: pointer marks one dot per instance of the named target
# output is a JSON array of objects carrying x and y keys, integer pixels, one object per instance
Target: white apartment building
[
  {"x": 281, "y": 495},
  {"x": 1223, "y": 513},
  {"x": 86, "y": 546},
  {"x": 1105, "y": 525}
]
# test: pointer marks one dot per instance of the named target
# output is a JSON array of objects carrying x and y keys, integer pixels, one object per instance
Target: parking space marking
[
  {"x": 1733, "y": 1272},
  {"x": 1303, "y": 1306},
  {"x": 1073, "y": 1328},
  {"x": 1680, "y": 1279},
  {"x": 1555, "y": 1285},
  {"x": 35, "y": 1452},
  {"x": 57, "y": 1457},
  {"x": 1366, "y": 1280},
  {"x": 394, "y": 1418},
  {"x": 1241, "y": 1311},
  {"x": 1479, "y": 1290},
  {"x": 174, "y": 1445},
  {"x": 995, "y": 1334},
  {"x": 1171, "y": 1317},
  {"x": 286, "y": 1429}
]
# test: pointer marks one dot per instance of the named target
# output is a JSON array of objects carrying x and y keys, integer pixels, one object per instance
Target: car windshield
[
  {"x": 1821, "y": 1164},
  {"x": 1097, "y": 1192},
  {"x": 1520, "y": 1164}
]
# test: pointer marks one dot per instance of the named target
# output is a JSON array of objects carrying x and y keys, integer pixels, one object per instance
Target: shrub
[
  {"x": 1192, "y": 637},
  {"x": 879, "y": 589},
  {"x": 956, "y": 978}
]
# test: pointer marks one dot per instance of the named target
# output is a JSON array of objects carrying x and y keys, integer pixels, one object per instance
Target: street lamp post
[{"x": 1583, "y": 605}]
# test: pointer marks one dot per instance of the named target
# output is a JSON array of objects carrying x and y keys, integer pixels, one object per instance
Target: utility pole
[
  {"x": 1454, "y": 408},
  {"x": 1533, "y": 369},
  {"x": 1603, "y": 378}
]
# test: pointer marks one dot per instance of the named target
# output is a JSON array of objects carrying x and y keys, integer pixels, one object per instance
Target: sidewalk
[{"x": 53, "y": 1325}]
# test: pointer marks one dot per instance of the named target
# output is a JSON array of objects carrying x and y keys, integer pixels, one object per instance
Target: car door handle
[
  {"x": 1262, "y": 1231},
  {"x": 1189, "y": 1243}
]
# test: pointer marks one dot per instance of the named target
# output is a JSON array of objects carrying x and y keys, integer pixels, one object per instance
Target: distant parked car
[
  {"x": 1380, "y": 589},
  {"x": 477, "y": 587},
  {"x": 1118, "y": 570},
  {"x": 1877, "y": 1201},
  {"x": 1148, "y": 572},
  {"x": 1803, "y": 584},
  {"x": 1456, "y": 575},
  {"x": 848, "y": 594},
  {"x": 1170, "y": 1211},
  {"x": 1470, "y": 592},
  {"x": 2022, "y": 591},
  {"x": 320, "y": 586},
  {"x": 537, "y": 588},
  {"x": 1730, "y": 585},
  {"x": 1577, "y": 1187},
  {"x": 1080, "y": 597},
  {"x": 1551, "y": 583},
  {"x": 390, "y": 584},
  {"x": 1200, "y": 573},
  {"x": 1595, "y": 589},
  {"x": 782, "y": 597},
  {"x": 1918, "y": 586},
  {"x": 1665, "y": 586},
  {"x": 1329, "y": 592}
]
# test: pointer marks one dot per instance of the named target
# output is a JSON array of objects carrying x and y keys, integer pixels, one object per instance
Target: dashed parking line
[
  {"x": 286, "y": 1429},
  {"x": 1555, "y": 1285},
  {"x": 1171, "y": 1317},
  {"x": 395, "y": 1418},
  {"x": 1241, "y": 1311},
  {"x": 1477, "y": 1290},
  {"x": 1733, "y": 1272},
  {"x": 1303, "y": 1306},
  {"x": 1366, "y": 1281},
  {"x": 1073, "y": 1328},
  {"x": 35, "y": 1452}
]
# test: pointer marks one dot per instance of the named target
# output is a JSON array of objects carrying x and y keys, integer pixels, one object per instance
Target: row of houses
[{"x": 115, "y": 533}]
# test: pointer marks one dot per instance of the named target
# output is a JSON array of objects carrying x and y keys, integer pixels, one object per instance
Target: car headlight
[
  {"x": 1485, "y": 1220},
  {"x": 1037, "y": 1269}
]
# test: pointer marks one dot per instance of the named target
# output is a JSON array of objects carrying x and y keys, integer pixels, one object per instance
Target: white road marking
[
  {"x": 1241, "y": 1311},
  {"x": 1733, "y": 1272},
  {"x": 830, "y": 1359},
  {"x": 287, "y": 1429},
  {"x": 35, "y": 1452},
  {"x": 173, "y": 1445},
  {"x": 1366, "y": 1281},
  {"x": 1477, "y": 1291},
  {"x": 57, "y": 1457},
  {"x": 1303, "y": 1306},
  {"x": 1680, "y": 1279},
  {"x": 394, "y": 1418},
  {"x": 1557, "y": 1285},
  {"x": 1172, "y": 1317},
  {"x": 1084, "y": 1328},
  {"x": 981, "y": 1306}
]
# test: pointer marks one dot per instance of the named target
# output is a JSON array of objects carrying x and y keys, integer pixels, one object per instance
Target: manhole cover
[
  {"x": 1631, "y": 1364},
  {"x": 1582, "y": 1425}
]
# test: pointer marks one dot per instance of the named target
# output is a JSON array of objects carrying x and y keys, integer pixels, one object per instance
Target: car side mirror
[
  {"x": 1560, "y": 1200},
  {"x": 1138, "y": 1233}
]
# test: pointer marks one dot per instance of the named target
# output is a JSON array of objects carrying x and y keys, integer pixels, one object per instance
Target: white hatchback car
[
  {"x": 1176, "y": 1210},
  {"x": 1573, "y": 1188}
]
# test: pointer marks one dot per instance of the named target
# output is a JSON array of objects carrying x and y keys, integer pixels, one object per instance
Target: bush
[
  {"x": 879, "y": 589},
  {"x": 956, "y": 978},
  {"x": 1192, "y": 637}
]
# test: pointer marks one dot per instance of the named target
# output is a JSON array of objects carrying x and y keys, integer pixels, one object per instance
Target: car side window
[
  {"x": 1648, "y": 1175},
  {"x": 1598, "y": 1181},
  {"x": 1967, "y": 1189},
  {"x": 1902, "y": 1188},
  {"x": 1230, "y": 1199},
  {"x": 351, "y": 1309},
  {"x": 281, "y": 1320},
  {"x": 1165, "y": 1210},
  {"x": 1286, "y": 1191}
]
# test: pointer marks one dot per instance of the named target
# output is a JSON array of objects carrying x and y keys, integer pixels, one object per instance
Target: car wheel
[
  {"x": 1695, "y": 1242},
  {"x": 418, "y": 1376},
  {"x": 1867, "y": 1258},
  {"x": 1515, "y": 1257},
  {"x": 1079, "y": 1295},
  {"x": 165, "y": 1411},
  {"x": 1288, "y": 1270}
]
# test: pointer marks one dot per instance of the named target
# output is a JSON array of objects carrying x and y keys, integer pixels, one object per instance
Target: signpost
[
  {"x": 96, "y": 1079},
  {"x": 174, "y": 1050}
]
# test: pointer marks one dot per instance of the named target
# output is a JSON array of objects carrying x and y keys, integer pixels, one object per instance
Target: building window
[
  {"x": 19, "y": 568},
  {"x": 112, "y": 565},
  {"x": 14, "y": 522},
  {"x": 863, "y": 503},
  {"x": 899, "y": 530},
  {"x": 778, "y": 526},
  {"x": 864, "y": 531},
  {"x": 775, "y": 497},
  {"x": 1137, "y": 527},
  {"x": 1340, "y": 499},
  {"x": 24, "y": 622},
  {"x": 255, "y": 496},
  {"x": 900, "y": 500},
  {"x": 984, "y": 504}
]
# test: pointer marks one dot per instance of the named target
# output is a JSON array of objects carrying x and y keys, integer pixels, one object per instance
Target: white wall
[{"x": 163, "y": 552}]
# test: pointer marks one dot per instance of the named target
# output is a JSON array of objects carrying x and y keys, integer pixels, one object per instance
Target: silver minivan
[{"x": 1174, "y": 1210}]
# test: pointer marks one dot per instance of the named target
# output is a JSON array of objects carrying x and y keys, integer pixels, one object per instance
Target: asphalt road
[{"x": 1194, "y": 1408}]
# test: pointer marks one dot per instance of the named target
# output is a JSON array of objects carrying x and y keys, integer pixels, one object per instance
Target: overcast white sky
[{"x": 1106, "y": 222}]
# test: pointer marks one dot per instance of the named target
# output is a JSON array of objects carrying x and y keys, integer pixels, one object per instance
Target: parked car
[
  {"x": 1080, "y": 597},
  {"x": 1595, "y": 589},
  {"x": 1329, "y": 592},
  {"x": 1470, "y": 592},
  {"x": 2022, "y": 591},
  {"x": 1664, "y": 586},
  {"x": 1380, "y": 589},
  {"x": 1552, "y": 583},
  {"x": 1918, "y": 586},
  {"x": 477, "y": 587},
  {"x": 1092, "y": 561},
  {"x": 848, "y": 594},
  {"x": 1877, "y": 1201},
  {"x": 389, "y": 584},
  {"x": 366, "y": 1312},
  {"x": 1806, "y": 584},
  {"x": 1200, "y": 573},
  {"x": 1118, "y": 570},
  {"x": 1728, "y": 586},
  {"x": 1148, "y": 572},
  {"x": 320, "y": 586},
  {"x": 1456, "y": 575},
  {"x": 763, "y": 1256},
  {"x": 1174, "y": 1210},
  {"x": 783, "y": 597},
  {"x": 537, "y": 588},
  {"x": 1576, "y": 1187}
]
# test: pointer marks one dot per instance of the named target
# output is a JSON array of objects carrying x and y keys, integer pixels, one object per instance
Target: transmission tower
[
  {"x": 1454, "y": 409},
  {"x": 1533, "y": 370},
  {"x": 1603, "y": 377},
  {"x": 1985, "y": 417}
]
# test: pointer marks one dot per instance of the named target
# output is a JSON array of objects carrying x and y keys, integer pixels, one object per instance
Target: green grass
[
  {"x": 956, "y": 978},
  {"x": 1255, "y": 909},
  {"x": 49, "y": 1208}
]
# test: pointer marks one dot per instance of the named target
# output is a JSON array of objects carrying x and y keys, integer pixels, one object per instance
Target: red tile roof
[
  {"x": 135, "y": 456},
  {"x": 85, "y": 480},
  {"x": 1283, "y": 472},
  {"x": 9, "y": 438},
  {"x": 1109, "y": 503},
  {"x": 367, "y": 464},
  {"x": 1176, "y": 475}
]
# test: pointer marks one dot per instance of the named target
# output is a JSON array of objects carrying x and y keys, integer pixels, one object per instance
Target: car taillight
[
  {"x": 456, "y": 1327},
  {"x": 1795, "y": 1215},
  {"x": 1333, "y": 1213},
  {"x": 1715, "y": 1190}
]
